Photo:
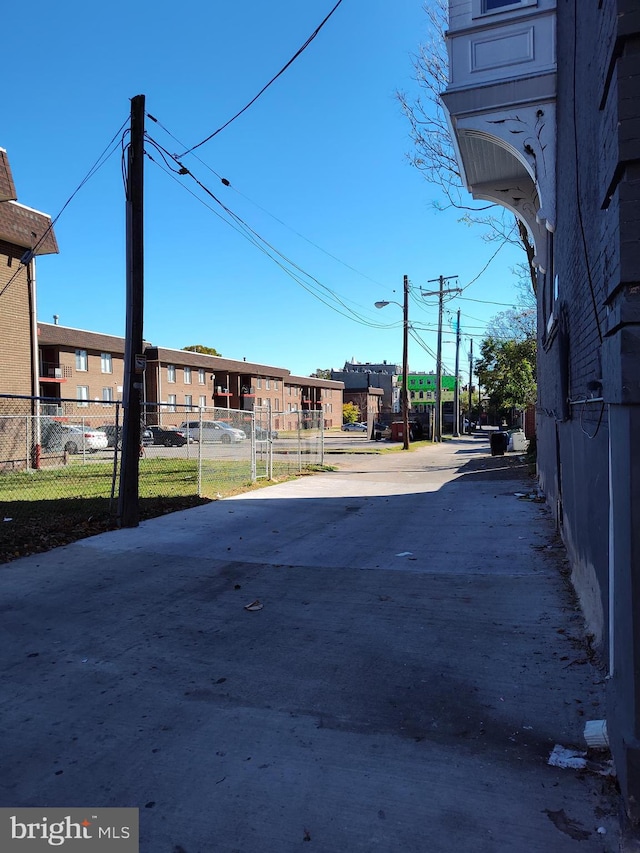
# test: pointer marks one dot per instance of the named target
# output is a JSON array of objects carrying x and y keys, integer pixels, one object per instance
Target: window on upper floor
[
  {"x": 171, "y": 373},
  {"x": 487, "y": 7},
  {"x": 106, "y": 363},
  {"x": 201, "y": 377},
  {"x": 187, "y": 376},
  {"x": 82, "y": 362}
]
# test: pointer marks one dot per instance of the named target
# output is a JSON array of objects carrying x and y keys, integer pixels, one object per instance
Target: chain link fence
[{"x": 63, "y": 455}]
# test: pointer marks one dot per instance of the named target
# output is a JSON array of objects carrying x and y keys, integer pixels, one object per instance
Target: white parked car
[
  {"x": 212, "y": 431},
  {"x": 77, "y": 438}
]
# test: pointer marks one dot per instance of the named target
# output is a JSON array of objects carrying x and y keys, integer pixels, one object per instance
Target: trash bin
[
  {"x": 499, "y": 442},
  {"x": 397, "y": 431}
]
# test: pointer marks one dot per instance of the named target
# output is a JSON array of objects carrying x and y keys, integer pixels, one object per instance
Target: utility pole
[
  {"x": 440, "y": 293},
  {"x": 405, "y": 367},
  {"x": 470, "y": 386},
  {"x": 128, "y": 510},
  {"x": 456, "y": 387}
]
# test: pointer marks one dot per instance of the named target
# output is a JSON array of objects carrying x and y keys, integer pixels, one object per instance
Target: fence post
[{"x": 199, "y": 449}]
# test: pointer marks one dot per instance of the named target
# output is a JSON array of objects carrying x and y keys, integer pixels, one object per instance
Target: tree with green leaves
[
  {"x": 506, "y": 371},
  {"x": 321, "y": 373},
  {"x": 202, "y": 349},
  {"x": 350, "y": 413}
]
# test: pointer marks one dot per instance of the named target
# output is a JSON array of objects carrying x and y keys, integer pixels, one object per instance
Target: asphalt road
[{"x": 412, "y": 657}]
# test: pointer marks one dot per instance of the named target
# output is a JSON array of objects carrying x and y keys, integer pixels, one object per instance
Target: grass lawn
[{"x": 40, "y": 510}]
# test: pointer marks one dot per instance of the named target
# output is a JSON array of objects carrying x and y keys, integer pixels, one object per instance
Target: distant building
[{"x": 358, "y": 378}]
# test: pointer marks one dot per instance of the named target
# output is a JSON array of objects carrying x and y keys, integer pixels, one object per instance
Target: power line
[
  {"x": 102, "y": 159},
  {"x": 245, "y": 230},
  {"x": 264, "y": 88},
  {"x": 227, "y": 183}
]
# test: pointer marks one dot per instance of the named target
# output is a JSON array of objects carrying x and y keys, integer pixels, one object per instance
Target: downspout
[
  {"x": 611, "y": 568},
  {"x": 35, "y": 364}
]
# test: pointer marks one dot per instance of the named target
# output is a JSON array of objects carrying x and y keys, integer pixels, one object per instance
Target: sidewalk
[{"x": 415, "y": 659}]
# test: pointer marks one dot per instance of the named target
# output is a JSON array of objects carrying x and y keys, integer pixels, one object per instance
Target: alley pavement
[{"x": 377, "y": 658}]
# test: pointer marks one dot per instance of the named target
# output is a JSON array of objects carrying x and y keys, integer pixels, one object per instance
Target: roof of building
[
  {"x": 27, "y": 228},
  {"x": 215, "y": 363},
  {"x": 7, "y": 187},
  {"x": 51, "y": 334},
  {"x": 19, "y": 225},
  {"x": 314, "y": 382}
]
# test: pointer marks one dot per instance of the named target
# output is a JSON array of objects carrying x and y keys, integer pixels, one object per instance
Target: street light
[{"x": 405, "y": 348}]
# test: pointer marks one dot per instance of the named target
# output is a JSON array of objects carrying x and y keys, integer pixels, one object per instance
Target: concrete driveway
[{"x": 413, "y": 658}]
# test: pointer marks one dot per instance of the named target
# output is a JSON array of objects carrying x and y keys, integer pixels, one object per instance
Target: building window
[
  {"x": 171, "y": 403},
  {"x": 202, "y": 379},
  {"x": 106, "y": 364},
  {"x": 107, "y": 395},
  {"x": 267, "y": 384},
  {"x": 484, "y": 7},
  {"x": 171, "y": 373},
  {"x": 188, "y": 401},
  {"x": 82, "y": 394},
  {"x": 258, "y": 382},
  {"x": 81, "y": 360},
  {"x": 258, "y": 401},
  {"x": 187, "y": 376},
  {"x": 203, "y": 401},
  {"x": 275, "y": 384}
]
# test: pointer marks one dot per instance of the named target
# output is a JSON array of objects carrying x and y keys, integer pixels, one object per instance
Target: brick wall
[{"x": 15, "y": 331}]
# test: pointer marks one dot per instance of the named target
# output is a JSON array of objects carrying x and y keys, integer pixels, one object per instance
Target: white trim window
[
  {"x": 82, "y": 361},
  {"x": 106, "y": 362},
  {"x": 491, "y": 7},
  {"x": 188, "y": 402},
  {"x": 203, "y": 401},
  {"x": 171, "y": 402},
  {"x": 187, "y": 376},
  {"x": 202, "y": 379},
  {"x": 82, "y": 395},
  {"x": 107, "y": 395},
  {"x": 171, "y": 373}
]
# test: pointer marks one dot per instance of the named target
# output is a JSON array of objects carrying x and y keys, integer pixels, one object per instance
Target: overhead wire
[
  {"x": 267, "y": 85},
  {"x": 102, "y": 159},
  {"x": 227, "y": 183},
  {"x": 261, "y": 243}
]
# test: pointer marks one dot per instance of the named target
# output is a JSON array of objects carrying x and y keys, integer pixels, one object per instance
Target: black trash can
[{"x": 499, "y": 442}]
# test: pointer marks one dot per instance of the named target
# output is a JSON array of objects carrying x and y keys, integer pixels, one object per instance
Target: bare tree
[{"x": 433, "y": 152}]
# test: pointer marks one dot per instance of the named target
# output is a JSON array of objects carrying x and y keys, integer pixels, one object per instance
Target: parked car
[
  {"x": 263, "y": 434},
  {"x": 354, "y": 427},
  {"x": 78, "y": 439},
  {"x": 168, "y": 436},
  {"x": 381, "y": 431},
  {"x": 146, "y": 437},
  {"x": 212, "y": 431}
]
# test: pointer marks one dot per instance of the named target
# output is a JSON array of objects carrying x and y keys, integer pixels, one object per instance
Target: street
[{"x": 410, "y": 656}]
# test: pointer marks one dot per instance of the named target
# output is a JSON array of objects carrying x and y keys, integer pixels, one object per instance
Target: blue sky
[{"x": 317, "y": 167}]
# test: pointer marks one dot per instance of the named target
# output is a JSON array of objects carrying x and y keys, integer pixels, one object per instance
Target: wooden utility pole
[
  {"x": 456, "y": 387},
  {"x": 128, "y": 510},
  {"x": 405, "y": 367},
  {"x": 440, "y": 293},
  {"x": 470, "y": 386}
]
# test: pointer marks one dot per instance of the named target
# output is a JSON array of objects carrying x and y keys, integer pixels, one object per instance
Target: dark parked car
[
  {"x": 146, "y": 437},
  {"x": 168, "y": 437}
]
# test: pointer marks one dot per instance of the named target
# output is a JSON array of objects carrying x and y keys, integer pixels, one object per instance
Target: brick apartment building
[
  {"x": 24, "y": 234},
  {"x": 79, "y": 365},
  {"x": 181, "y": 380}
]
